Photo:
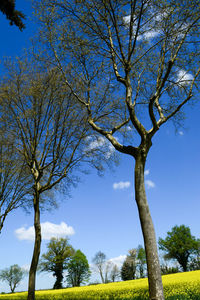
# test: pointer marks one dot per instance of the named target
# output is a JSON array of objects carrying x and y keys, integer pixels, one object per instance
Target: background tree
[
  {"x": 141, "y": 261},
  {"x": 128, "y": 270},
  {"x": 179, "y": 244},
  {"x": 13, "y": 276},
  {"x": 195, "y": 260},
  {"x": 114, "y": 273},
  {"x": 146, "y": 59},
  {"x": 16, "y": 17},
  {"x": 50, "y": 130},
  {"x": 165, "y": 269},
  {"x": 99, "y": 261},
  {"x": 56, "y": 259},
  {"x": 78, "y": 269}
]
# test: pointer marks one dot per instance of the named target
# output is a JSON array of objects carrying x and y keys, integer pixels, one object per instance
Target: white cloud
[
  {"x": 26, "y": 267},
  {"x": 95, "y": 144},
  {"x": 150, "y": 184},
  {"x": 118, "y": 260},
  {"x": 126, "y": 20},
  {"x": 183, "y": 78},
  {"x": 181, "y": 132},
  {"x": 121, "y": 185},
  {"x": 146, "y": 172},
  {"x": 148, "y": 35},
  {"x": 99, "y": 142},
  {"x": 150, "y": 31},
  {"x": 48, "y": 229},
  {"x": 110, "y": 151},
  {"x": 128, "y": 128}
]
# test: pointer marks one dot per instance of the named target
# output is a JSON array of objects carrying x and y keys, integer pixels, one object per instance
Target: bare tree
[
  {"x": 50, "y": 130},
  {"x": 137, "y": 63},
  {"x": 114, "y": 273},
  {"x": 99, "y": 261},
  {"x": 104, "y": 267}
]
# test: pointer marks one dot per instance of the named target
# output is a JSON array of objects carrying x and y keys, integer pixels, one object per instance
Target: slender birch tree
[
  {"x": 50, "y": 130},
  {"x": 137, "y": 63}
]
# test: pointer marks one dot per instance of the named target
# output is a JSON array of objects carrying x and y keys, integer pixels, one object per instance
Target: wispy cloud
[
  {"x": 95, "y": 143},
  {"x": 150, "y": 184},
  {"x": 146, "y": 172},
  {"x": 181, "y": 132},
  {"x": 48, "y": 229},
  {"x": 121, "y": 185}
]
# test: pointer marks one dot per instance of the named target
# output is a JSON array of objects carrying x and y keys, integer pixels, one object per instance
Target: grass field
[{"x": 176, "y": 286}]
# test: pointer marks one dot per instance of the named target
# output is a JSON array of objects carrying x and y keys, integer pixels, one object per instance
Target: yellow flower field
[{"x": 176, "y": 286}]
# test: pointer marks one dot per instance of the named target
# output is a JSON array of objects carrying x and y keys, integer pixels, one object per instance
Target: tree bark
[
  {"x": 153, "y": 264},
  {"x": 101, "y": 274},
  {"x": 36, "y": 251}
]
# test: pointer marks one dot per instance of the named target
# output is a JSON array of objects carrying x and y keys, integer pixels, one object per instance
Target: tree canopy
[
  {"x": 56, "y": 259},
  {"x": 128, "y": 270},
  {"x": 78, "y": 269},
  {"x": 16, "y": 17},
  {"x": 13, "y": 276},
  {"x": 179, "y": 244}
]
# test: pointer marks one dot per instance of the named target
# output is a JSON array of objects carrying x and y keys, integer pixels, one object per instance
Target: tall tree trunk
[
  {"x": 153, "y": 264},
  {"x": 101, "y": 274},
  {"x": 36, "y": 252}
]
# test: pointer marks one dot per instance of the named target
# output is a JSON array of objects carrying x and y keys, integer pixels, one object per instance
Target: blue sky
[{"x": 102, "y": 211}]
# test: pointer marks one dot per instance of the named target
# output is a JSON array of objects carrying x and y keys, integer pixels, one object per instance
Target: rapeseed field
[{"x": 180, "y": 286}]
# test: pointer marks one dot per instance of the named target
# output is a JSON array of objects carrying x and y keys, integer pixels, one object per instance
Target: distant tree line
[{"x": 181, "y": 252}]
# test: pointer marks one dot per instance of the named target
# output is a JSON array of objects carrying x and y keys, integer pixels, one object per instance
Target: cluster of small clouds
[
  {"x": 150, "y": 32},
  {"x": 48, "y": 230},
  {"x": 149, "y": 183},
  {"x": 121, "y": 185}
]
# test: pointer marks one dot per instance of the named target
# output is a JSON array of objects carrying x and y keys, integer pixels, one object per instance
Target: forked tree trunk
[
  {"x": 36, "y": 252},
  {"x": 153, "y": 264}
]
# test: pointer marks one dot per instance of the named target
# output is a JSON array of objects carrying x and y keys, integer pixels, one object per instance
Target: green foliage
[
  {"x": 13, "y": 276},
  {"x": 141, "y": 261},
  {"x": 128, "y": 270},
  {"x": 165, "y": 269},
  {"x": 179, "y": 244},
  {"x": 56, "y": 259},
  {"x": 78, "y": 269},
  {"x": 195, "y": 260}
]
